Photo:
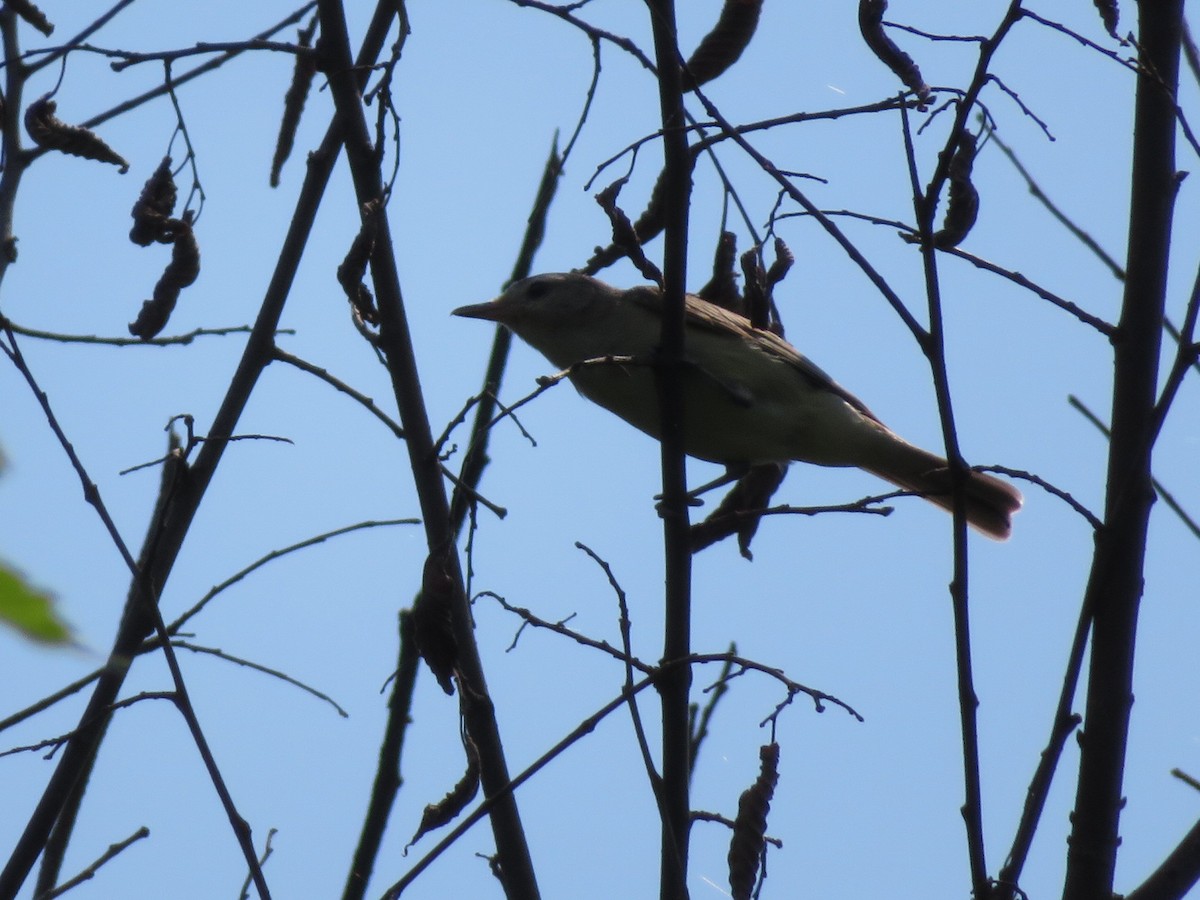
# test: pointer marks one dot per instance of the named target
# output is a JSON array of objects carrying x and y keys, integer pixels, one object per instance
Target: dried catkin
[
  {"x": 722, "y": 46},
  {"x": 181, "y": 271},
  {"x": 154, "y": 207},
  {"x": 870, "y": 22},
  {"x": 293, "y": 101},
  {"x": 963, "y": 207},
  {"x": 750, "y": 826},
  {"x": 48, "y": 131}
]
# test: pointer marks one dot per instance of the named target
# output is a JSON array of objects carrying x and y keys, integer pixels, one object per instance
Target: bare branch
[{"x": 90, "y": 872}]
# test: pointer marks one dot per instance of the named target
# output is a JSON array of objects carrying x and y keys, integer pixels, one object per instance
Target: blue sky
[{"x": 856, "y": 606}]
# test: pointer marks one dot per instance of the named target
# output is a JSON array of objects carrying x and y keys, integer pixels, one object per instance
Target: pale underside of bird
[{"x": 749, "y": 396}]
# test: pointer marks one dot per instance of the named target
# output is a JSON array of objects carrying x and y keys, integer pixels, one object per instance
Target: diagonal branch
[{"x": 396, "y": 343}]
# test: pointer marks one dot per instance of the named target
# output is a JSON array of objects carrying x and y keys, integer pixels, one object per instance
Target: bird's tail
[{"x": 990, "y": 502}]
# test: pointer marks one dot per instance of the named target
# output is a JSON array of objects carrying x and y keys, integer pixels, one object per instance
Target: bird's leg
[{"x": 733, "y": 472}]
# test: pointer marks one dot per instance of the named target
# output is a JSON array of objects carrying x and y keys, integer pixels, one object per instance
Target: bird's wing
[{"x": 715, "y": 318}]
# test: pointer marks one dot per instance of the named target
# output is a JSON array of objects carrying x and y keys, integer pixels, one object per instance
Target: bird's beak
[{"x": 492, "y": 311}]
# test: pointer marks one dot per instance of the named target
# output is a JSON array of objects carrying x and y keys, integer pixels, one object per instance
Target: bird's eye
[{"x": 537, "y": 290}]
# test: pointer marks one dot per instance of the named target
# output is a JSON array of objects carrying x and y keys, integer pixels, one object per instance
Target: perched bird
[{"x": 749, "y": 396}]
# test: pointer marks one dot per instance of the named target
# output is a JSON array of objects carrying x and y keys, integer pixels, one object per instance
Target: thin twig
[
  {"x": 170, "y": 341},
  {"x": 702, "y": 716},
  {"x": 90, "y": 872},
  {"x": 1053, "y": 208},
  {"x": 639, "y": 728},
  {"x": 1187, "y": 356},
  {"x": 1065, "y": 496},
  {"x": 1167, "y": 497},
  {"x": 699, "y": 815},
  {"x": 58, "y": 740},
  {"x": 202, "y": 69},
  {"x": 535, "y": 621},
  {"x": 324, "y": 375},
  {"x": 906, "y": 231},
  {"x": 266, "y": 670},
  {"x": 233, "y": 579},
  {"x": 46, "y": 702},
  {"x": 230, "y": 48},
  {"x": 268, "y": 849},
  {"x": 1187, "y": 779}
]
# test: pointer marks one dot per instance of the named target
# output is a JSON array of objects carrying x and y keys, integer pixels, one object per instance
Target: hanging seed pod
[
  {"x": 50, "y": 132},
  {"x": 648, "y": 225},
  {"x": 722, "y": 288},
  {"x": 154, "y": 314},
  {"x": 784, "y": 260},
  {"x": 1109, "y": 15},
  {"x": 758, "y": 302},
  {"x": 433, "y": 632},
  {"x": 152, "y": 211},
  {"x": 757, "y": 306},
  {"x": 184, "y": 268},
  {"x": 181, "y": 271},
  {"x": 294, "y": 99},
  {"x": 32, "y": 15},
  {"x": 870, "y": 22},
  {"x": 750, "y": 827},
  {"x": 722, "y": 46},
  {"x": 352, "y": 273},
  {"x": 445, "y": 810},
  {"x": 963, "y": 207},
  {"x": 626, "y": 239}
]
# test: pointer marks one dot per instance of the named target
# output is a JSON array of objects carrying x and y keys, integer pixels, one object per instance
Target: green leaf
[{"x": 30, "y": 611}]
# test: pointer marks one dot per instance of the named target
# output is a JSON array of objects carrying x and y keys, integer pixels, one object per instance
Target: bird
[{"x": 749, "y": 396}]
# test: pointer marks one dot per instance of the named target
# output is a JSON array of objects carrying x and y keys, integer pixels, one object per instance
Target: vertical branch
[
  {"x": 675, "y": 682},
  {"x": 1115, "y": 582},
  {"x": 396, "y": 342},
  {"x": 15, "y": 162},
  {"x": 933, "y": 343}
]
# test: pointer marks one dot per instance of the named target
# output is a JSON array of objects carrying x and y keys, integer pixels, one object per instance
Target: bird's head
[{"x": 543, "y": 301}]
